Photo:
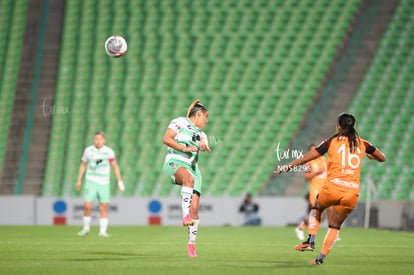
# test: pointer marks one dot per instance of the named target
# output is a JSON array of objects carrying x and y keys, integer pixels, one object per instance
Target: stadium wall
[{"x": 279, "y": 211}]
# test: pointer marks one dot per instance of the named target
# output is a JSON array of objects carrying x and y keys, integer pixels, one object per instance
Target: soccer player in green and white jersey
[
  {"x": 96, "y": 160},
  {"x": 185, "y": 140}
]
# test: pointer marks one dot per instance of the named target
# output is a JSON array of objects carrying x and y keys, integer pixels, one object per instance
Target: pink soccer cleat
[
  {"x": 188, "y": 221},
  {"x": 191, "y": 250}
]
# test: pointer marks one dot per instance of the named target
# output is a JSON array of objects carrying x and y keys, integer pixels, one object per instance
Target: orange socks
[{"x": 329, "y": 241}]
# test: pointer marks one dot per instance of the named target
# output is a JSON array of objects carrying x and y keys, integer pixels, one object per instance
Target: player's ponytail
[
  {"x": 194, "y": 107},
  {"x": 347, "y": 123}
]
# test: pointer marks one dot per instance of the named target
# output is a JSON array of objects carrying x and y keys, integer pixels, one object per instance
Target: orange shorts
[{"x": 344, "y": 201}]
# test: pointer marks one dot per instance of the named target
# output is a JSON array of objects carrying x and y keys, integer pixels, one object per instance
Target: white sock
[
  {"x": 192, "y": 232},
  {"x": 186, "y": 195},
  {"x": 103, "y": 223},
  {"x": 86, "y": 223}
]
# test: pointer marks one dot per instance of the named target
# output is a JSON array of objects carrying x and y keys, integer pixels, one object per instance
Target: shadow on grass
[
  {"x": 107, "y": 255},
  {"x": 266, "y": 264}
]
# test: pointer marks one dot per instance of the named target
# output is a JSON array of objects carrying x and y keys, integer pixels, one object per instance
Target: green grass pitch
[{"x": 221, "y": 250}]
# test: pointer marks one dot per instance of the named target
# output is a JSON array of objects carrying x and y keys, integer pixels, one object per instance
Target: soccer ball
[{"x": 116, "y": 46}]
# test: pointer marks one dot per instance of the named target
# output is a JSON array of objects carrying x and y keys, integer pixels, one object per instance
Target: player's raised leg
[{"x": 186, "y": 179}]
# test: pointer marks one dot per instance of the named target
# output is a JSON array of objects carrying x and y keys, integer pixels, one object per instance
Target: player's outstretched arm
[
  {"x": 377, "y": 155},
  {"x": 312, "y": 154},
  {"x": 118, "y": 176},
  {"x": 82, "y": 169}
]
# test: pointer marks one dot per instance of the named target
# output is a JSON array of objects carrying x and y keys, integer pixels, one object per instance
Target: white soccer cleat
[
  {"x": 84, "y": 232},
  {"x": 103, "y": 234},
  {"x": 300, "y": 234}
]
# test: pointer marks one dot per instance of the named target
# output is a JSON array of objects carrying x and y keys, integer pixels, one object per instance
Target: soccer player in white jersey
[
  {"x": 185, "y": 140},
  {"x": 96, "y": 160}
]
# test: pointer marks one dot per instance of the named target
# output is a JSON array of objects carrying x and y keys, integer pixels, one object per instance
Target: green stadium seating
[
  {"x": 256, "y": 65},
  {"x": 12, "y": 25},
  {"x": 383, "y": 106}
]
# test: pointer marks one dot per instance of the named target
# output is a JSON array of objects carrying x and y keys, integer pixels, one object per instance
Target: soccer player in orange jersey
[
  {"x": 341, "y": 190},
  {"x": 316, "y": 175}
]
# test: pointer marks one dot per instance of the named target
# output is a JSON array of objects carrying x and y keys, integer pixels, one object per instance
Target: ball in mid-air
[{"x": 116, "y": 46}]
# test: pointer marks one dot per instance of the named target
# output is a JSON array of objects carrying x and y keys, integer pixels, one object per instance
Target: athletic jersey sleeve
[
  {"x": 85, "y": 155},
  {"x": 323, "y": 147},
  {"x": 369, "y": 147},
  {"x": 175, "y": 125},
  {"x": 111, "y": 157}
]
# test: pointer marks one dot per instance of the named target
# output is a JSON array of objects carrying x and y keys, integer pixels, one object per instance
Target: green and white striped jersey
[
  {"x": 98, "y": 163},
  {"x": 188, "y": 135}
]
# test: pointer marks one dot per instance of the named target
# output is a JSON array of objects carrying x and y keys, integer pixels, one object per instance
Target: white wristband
[{"x": 121, "y": 186}]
